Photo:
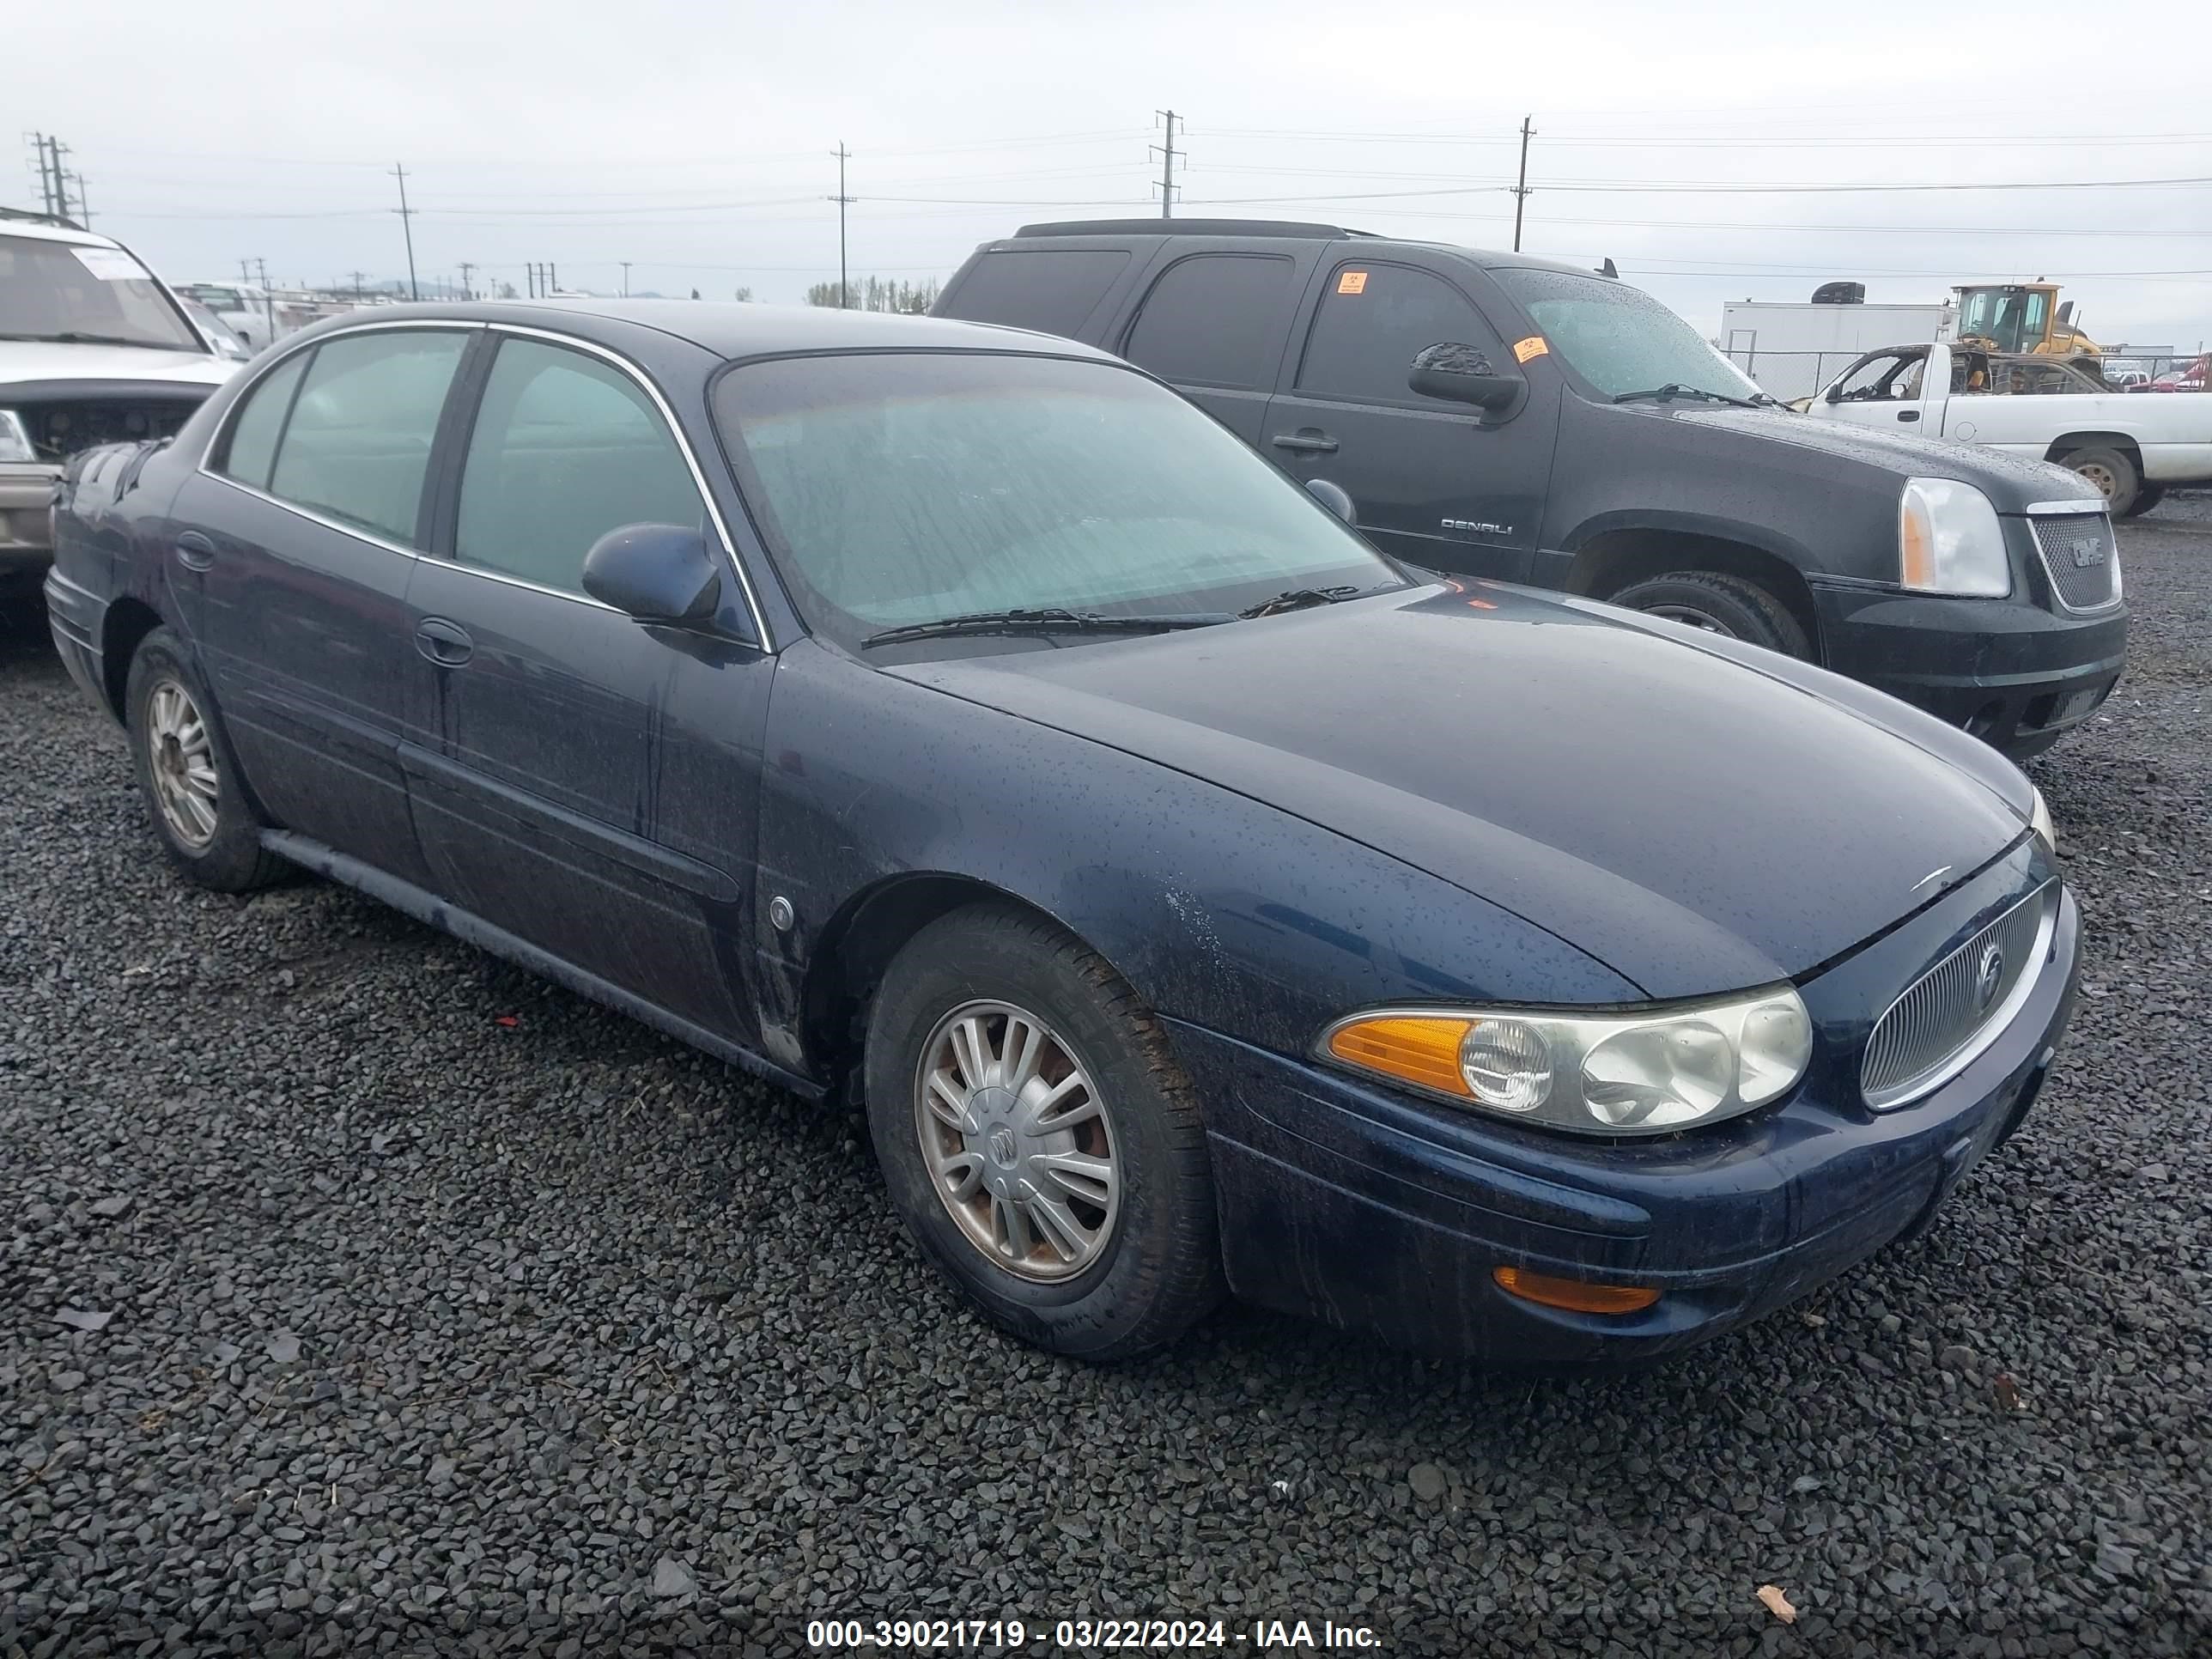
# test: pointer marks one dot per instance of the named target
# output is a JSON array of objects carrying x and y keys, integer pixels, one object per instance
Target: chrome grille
[
  {"x": 2079, "y": 557},
  {"x": 1955, "y": 1009}
]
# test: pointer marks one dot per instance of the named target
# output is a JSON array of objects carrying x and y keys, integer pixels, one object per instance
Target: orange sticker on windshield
[
  {"x": 1534, "y": 346},
  {"x": 1352, "y": 282}
]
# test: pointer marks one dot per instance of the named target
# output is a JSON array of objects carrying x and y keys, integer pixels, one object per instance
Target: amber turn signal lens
[
  {"x": 1574, "y": 1294},
  {"x": 1423, "y": 1051}
]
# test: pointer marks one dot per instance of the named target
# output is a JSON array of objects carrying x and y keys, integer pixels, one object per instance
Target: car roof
[
  {"x": 46, "y": 230},
  {"x": 1491, "y": 259},
  {"x": 734, "y": 329}
]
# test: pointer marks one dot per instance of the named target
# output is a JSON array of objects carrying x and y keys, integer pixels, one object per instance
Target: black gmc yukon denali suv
[{"x": 1495, "y": 416}]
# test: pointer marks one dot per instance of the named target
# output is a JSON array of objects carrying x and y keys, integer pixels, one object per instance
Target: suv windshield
[
  {"x": 1619, "y": 338},
  {"x": 898, "y": 489},
  {"x": 98, "y": 295}
]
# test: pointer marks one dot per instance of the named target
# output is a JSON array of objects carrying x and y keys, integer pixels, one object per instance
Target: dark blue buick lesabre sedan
[{"x": 956, "y": 720}]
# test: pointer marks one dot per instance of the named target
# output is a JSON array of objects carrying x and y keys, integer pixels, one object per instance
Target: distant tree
[
  {"x": 879, "y": 294},
  {"x": 695, "y": 293},
  {"x": 506, "y": 290},
  {"x": 743, "y": 294}
]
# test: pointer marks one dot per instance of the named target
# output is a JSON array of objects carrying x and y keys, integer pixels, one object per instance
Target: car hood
[
  {"x": 1694, "y": 821},
  {"x": 2011, "y": 482},
  {"x": 55, "y": 360}
]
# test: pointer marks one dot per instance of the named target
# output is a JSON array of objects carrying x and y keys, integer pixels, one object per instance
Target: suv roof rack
[
  {"x": 38, "y": 218},
  {"x": 1189, "y": 227}
]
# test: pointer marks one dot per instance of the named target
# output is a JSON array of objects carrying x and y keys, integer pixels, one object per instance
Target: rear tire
[
  {"x": 1105, "y": 1268},
  {"x": 2114, "y": 476},
  {"x": 188, "y": 778},
  {"x": 1735, "y": 606},
  {"x": 2147, "y": 496}
]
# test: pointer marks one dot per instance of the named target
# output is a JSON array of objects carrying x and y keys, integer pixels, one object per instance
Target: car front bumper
[
  {"x": 2014, "y": 675},
  {"x": 1350, "y": 1203},
  {"x": 27, "y": 540}
]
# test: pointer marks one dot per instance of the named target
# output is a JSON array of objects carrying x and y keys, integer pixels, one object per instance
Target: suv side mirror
[
  {"x": 1834, "y": 393},
  {"x": 1458, "y": 373},
  {"x": 656, "y": 573}
]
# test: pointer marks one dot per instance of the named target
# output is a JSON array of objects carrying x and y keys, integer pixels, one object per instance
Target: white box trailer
[{"x": 1793, "y": 349}]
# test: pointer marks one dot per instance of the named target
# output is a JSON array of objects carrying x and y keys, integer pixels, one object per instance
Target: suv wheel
[
  {"x": 1715, "y": 604},
  {"x": 187, "y": 775},
  {"x": 1039, "y": 1142}
]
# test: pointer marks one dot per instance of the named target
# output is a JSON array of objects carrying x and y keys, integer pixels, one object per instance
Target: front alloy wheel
[
  {"x": 180, "y": 760},
  {"x": 1018, "y": 1141}
]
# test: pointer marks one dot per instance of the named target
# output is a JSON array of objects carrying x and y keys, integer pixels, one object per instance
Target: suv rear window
[
  {"x": 1054, "y": 290},
  {"x": 1211, "y": 319}
]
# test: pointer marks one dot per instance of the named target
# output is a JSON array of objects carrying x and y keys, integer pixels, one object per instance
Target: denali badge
[
  {"x": 1987, "y": 977},
  {"x": 1472, "y": 527}
]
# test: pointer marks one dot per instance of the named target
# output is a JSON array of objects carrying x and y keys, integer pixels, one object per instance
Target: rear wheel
[
  {"x": 1039, "y": 1142},
  {"x": 1715, "y": 604},
  {"x": 2114, "y": 476},
  {"x": 2147, "y": 496},
  {"x": 185, "y": 772}
]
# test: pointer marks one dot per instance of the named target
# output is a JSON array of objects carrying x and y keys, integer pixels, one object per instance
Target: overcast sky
[{"x": 693, "y": 141}]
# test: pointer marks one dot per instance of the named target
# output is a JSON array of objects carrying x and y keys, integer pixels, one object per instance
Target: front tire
[
  {"x": 2114, "y": 474},
  {"x": 188, "y": 775},
  {"x": 2147, "y": 496},
  {"x": 1038, "y": 1139},
  {"x": 1715, "y": 604}
]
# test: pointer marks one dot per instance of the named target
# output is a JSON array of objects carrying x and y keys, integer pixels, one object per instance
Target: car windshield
[
  {"x": 1619, "y": 338},
  {"x": 68, "y": 291},
  {"x": 900, "y": 488}
]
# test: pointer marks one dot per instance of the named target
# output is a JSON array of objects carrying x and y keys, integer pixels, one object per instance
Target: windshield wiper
[
  {"x": 1044, "y": 619},
  {"x": 1296, "y": 599},
  {"x": 1673, "y": 389},
  {"x": 75, "y": 339}
]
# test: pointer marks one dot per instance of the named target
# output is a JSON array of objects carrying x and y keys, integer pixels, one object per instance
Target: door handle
[
  {"x": 195, "y": 552},
  {"x": 447, "y": 644},
  {"x": 1908, "y": 414},
  {"x": 1310, "y": 441}
]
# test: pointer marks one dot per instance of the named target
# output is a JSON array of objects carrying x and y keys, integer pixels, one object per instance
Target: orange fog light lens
[
  {"x": 1574, "y": 1294},
  {"x": 1416, "y": 1050}
]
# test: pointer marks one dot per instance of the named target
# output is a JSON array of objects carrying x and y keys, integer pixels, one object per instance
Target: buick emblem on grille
[{"x": 1988, "y": 976}]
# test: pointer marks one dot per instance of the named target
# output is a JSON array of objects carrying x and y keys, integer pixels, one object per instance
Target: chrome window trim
[
  {"x": 2050, "y": 895},
  {"x": 354, "y": 531},
  {"x": 2093, "y": 504},
  {"x": 684, "y": 448}
]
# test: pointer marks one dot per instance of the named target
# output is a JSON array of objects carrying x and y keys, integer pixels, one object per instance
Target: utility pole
[
  {"x": 624, "y": 263},
  {"x": 268, "y": 299},
  {"x": 844, "y": 285},
  {"x": 468, "y": 288},
  {"x": 357, "y": 275},
  {"x": 1521, "y": 190},
  {"x": 407, "y": 226},
  {"x": 552, "y": 277},
  {"x": 1167, "y": 154},
  {"x": 83, "y": 204}
]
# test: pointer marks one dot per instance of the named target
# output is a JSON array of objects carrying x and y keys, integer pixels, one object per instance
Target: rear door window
[
  {"x": 258, "y": 423},
  {"x": 1054, "y": 290},
  {"x": 1373, "y": 320},
  {"x": 357, "y": 446},
  {"x": 1212, "y": 320},
  {"x": 566, "y": 447}
]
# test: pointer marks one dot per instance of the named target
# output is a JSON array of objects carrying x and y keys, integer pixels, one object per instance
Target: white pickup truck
[{"x": 2133, "y": 448}]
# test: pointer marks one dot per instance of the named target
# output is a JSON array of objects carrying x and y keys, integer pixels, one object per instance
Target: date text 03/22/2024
[{"x": 1257, "y": 1635}]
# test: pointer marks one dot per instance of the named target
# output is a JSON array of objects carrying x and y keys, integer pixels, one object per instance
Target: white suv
[{"x": 94, "y": 349}]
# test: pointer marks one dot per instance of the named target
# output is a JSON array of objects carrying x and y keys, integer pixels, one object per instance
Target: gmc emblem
[{"x": 2088, "y": 553}]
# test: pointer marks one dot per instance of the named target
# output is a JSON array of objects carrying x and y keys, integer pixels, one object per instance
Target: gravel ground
[{"x": 360, "y": 1293}]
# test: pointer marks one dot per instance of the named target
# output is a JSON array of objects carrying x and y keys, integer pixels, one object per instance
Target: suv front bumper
[
  {"x": 27, "y": 536},
  {"x": 2012, "y": 674}
]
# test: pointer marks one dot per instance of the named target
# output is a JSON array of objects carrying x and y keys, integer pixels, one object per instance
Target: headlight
[
  {"x": 2038, "y": 819},
  {"x": 15, "y": 441},
  {"x": 1949, "y": 541},
  {"x": 1642, "y": 1072}
]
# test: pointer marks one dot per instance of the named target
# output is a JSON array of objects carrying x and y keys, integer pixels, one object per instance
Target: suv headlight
[
  {"x": 1642, "y": 1072},
  {"x": 1949, "y": 541},
  {"x": 15, "y": 440},
  {"x": 2038, "y": 819}
]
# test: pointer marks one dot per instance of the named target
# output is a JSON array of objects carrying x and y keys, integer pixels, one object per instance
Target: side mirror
[
  {"x": 1460, "y": 374},
  {"x": 657, "y": 572},
  {"x": 1335, "y": 499},
  {"x": 1835, "y": 394}
]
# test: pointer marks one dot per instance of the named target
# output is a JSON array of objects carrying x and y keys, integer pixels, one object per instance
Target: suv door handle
[
  {"x": 1908, "y": 414},
  {"x": 444, "y": 643},
  {"x": 1308, "y": 440},
  {"x": 195, "y": 552}
]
